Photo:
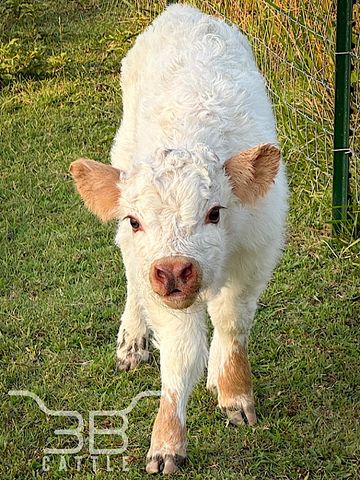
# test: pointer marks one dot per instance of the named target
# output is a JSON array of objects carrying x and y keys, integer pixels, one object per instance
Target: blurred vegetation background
[{"x": 294, "y": 43}]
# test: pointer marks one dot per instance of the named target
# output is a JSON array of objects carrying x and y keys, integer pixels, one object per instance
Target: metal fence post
[{"x": 342, "y": 114}]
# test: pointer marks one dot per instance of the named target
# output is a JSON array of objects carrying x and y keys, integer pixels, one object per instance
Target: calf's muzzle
[{"x": 176, "y": 280}]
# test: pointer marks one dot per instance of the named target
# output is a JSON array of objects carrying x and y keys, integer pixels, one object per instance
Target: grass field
[{"x": 63, "y": 285}]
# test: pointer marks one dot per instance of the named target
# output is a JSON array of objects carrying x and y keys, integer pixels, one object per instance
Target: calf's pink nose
[
  {"x": 171, "y": 273},
  {"x": 175, "y": 278}
]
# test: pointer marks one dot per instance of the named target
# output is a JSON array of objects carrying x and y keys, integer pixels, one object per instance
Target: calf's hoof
[
  {"x": 241, "y": 412},
  {"x": 165, "y": 464},
  {"x": 130, "y": 352}
]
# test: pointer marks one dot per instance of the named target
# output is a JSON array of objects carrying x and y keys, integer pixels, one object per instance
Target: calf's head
[{"x": 176, "y": 214}]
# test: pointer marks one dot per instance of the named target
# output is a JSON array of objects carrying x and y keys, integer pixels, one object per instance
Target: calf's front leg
[
  {"x": 229, "y": 372},
  {"x": 183, "y": 353},
  {"x": 133, "y": 336}
]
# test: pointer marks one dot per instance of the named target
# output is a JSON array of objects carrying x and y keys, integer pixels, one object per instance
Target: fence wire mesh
[{"x": 294, "y": 43}]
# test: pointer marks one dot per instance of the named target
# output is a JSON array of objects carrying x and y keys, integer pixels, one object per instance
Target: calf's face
[{"x": 174, "y": 214}]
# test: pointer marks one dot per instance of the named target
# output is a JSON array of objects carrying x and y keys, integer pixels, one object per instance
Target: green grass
[{"x": 63, "y": 284}]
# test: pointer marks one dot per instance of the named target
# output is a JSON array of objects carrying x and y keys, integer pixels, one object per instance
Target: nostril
[
  {"x": 161, "y": 275},
  {"x": 186, "y": 273}
]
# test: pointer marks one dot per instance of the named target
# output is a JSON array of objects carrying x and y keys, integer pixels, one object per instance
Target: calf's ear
[
  {"x": 97, "y": 184},
  {"x": 253, "y": 171}
]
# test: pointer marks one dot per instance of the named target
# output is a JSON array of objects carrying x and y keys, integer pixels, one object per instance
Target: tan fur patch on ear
[
  {"x": 253, "y": 171},
  {"x": 97, "y": 185}
]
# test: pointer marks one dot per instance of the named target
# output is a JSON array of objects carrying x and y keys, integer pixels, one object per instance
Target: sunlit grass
[{"x": 63, "y": 284}]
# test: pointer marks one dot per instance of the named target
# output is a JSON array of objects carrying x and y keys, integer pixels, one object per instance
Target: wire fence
[{"x": 294, "y": 43}]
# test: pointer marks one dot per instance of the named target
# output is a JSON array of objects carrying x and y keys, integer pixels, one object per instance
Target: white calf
[{"x": 199, "y": 191}]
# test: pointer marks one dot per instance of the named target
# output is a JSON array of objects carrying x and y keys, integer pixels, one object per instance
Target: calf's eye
[
  {"x": 213, "y": 215},
  {"x": 134, "y": 224}
]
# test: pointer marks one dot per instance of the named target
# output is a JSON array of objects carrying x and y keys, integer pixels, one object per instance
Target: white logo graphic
[{"x": 93, "y": 414}]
